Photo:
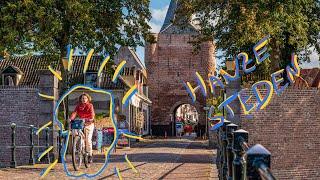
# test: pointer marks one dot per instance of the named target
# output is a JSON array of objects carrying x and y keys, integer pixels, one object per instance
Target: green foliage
[
  {"x": 237, "y": 25},
  {"x": 215, "y": 102},
  {"x": 100, "y": 116},
  {"x": 61, "y": 116},
  {"x": 48, "y": 26}
]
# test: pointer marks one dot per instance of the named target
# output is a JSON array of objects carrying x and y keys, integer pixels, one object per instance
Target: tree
[
  {"x": 237, "y": 25},
  {"x": 47, "y": 26}
]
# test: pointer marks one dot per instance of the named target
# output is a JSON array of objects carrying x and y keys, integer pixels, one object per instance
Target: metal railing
[
  {"x": 236, "y": 160},
  {"x": 32, "y": 146}
]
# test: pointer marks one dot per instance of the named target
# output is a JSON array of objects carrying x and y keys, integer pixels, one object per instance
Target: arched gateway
[{"x": 169, "y": 63}]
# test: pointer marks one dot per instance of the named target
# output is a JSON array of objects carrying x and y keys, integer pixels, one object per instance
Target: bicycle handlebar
[{"x": 83, "y": 119}]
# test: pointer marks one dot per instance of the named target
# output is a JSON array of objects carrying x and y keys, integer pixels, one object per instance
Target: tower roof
[
  {"x": 169, "y": 27},
  {"x": 170, "y": 14}
]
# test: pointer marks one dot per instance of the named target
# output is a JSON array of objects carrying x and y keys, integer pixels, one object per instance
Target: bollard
[
  {"x": 258, "y": 161},
  {"x": 221, "y": 153},
  {"x": 59, "y": 146},
  {"x": 31, "y": 159},
  {"x": 238, "y": 136},
  {"x": 218, "y": 145},
  {"x": 165, "y": 134},
  {"x": 218, "y": 159},
  {"x": 47, "y": 143},
  {"x": 224, "y": 168},
  {"x": 13, "y": 163},
  {"x": 229, "y": 133},
  {"x": 218, "y": 149}
]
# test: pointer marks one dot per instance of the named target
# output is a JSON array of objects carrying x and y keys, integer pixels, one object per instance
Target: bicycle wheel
[{"x": 77, "y": 153}]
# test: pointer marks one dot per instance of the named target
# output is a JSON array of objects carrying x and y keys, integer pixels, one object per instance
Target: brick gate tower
[{"x": 169, "y": 63}]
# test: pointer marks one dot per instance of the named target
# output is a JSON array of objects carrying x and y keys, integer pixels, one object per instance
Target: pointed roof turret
[
  {"x": 170, "y": 14},
  {"x": 169, "y": 27}
]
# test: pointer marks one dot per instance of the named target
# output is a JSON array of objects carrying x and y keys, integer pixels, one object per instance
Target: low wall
[{"x": 289, "y": 128}]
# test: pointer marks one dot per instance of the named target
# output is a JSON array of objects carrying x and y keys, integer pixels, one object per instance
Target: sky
[{"x": 159, "y": 9}]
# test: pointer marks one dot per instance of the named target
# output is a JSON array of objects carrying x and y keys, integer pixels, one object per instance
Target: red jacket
[{"x": 84, "y": 111}]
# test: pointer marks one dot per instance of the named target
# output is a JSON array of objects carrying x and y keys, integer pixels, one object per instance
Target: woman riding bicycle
[{"x": 84, "y": 110}]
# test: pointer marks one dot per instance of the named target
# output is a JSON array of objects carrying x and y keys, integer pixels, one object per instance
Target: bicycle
[{"x": 79, "y": 152}]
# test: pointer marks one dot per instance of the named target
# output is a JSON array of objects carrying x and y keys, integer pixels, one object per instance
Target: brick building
[
  {"x": 170, "y": 62},
  {"x": 138, "y": 112}
]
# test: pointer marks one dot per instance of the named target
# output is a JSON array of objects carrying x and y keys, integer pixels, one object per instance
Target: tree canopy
[
  {"x": 48, "y": 26},
  {"x": 235, "y": 26}
]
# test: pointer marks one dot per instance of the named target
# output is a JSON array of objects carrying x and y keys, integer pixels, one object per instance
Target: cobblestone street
[{"x": 154, "y": 159}]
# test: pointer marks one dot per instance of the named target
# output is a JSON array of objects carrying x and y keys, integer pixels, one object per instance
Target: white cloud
[
  {"x": 155, "y": 27},
  {"x": 314, "y": 60},
  {"x": 314, "y": 57},
  {"x": 158, "y": 15}
]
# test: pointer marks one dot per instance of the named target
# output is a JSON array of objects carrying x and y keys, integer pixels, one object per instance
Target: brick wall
[
  {"x": 289, "y": 128},
  {"x": 21, "y": 106},
  {"x": 24, "y": 107},
  {"x": 170, "y": 62}
]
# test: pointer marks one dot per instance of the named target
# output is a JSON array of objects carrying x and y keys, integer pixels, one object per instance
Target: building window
[
  {"x": 11, "y": 76},
  {"x": 9, "y": 81},
  {"x": 145, "y": 124},
  {"x": 137, "y": 75},
  {"x": 141, "y": 78}
]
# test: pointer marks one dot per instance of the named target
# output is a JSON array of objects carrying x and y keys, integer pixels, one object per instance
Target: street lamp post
[
  {"x": 171, "y": 119},
  {"x": 206, "y": 110},
  {"x": 66, "y": 88}
]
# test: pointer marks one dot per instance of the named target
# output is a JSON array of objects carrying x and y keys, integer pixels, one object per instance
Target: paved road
[{"x": 154, "y": 159}]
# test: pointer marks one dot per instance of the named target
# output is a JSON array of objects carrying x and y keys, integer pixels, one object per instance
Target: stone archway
[
  {"x": 200, "y": 111},
  {"x": 186, "y": 119}
]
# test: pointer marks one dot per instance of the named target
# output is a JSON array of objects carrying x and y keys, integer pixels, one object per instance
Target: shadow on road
[
  {"x": 167, "y": 173},
  {"x": 121, "y": 171},
  {"x": 159, "y": 158}
]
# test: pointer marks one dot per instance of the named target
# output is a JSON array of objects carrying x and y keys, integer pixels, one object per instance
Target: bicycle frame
[{"x": 81, "y": 133}]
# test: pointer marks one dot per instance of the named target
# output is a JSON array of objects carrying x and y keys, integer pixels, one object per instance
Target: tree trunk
[{"x": 275, "y": 56}]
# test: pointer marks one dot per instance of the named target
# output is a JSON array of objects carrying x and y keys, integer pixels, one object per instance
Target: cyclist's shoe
[{"x": 90, "y": 159}]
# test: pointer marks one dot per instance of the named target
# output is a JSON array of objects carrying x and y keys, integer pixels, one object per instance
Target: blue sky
[{"x": 159, "y": 9}]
